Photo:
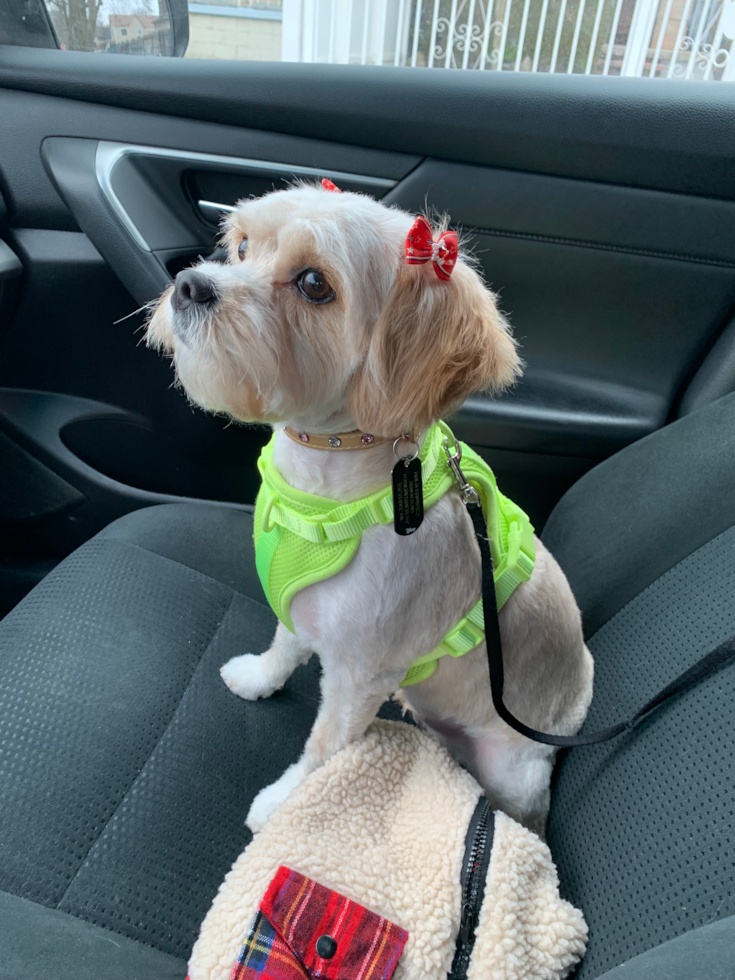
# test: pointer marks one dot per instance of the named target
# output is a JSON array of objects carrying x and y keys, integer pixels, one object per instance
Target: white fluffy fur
[
  {"x": 265, "y": 352},
  {"x": 384, "y": 823}
]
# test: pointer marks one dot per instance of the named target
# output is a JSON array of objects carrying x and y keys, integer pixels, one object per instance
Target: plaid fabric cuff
[{"x": 303, "y": 930}]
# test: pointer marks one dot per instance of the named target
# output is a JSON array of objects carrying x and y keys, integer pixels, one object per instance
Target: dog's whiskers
[{"x": 146, "y": 306}]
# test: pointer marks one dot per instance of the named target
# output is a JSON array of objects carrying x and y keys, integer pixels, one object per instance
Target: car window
[{"x": 689, "y": 39}]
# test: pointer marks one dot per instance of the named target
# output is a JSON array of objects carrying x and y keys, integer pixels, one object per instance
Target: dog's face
[{"x": 316, "y": 314}]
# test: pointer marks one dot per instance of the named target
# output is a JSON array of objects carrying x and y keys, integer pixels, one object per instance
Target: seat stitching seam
[
  {"x": 603, "y": 246},
  {"x": 656, "y": 581},
  {"x": 225, "y": 613},
  {"x": 78, "y": 918},
  {"x": 179, "y": 564}
]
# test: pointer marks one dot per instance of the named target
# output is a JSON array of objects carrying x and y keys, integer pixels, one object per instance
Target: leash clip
[{"x": 468, "y": 492}]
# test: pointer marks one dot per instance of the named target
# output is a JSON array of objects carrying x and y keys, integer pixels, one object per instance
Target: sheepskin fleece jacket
[{"x": 384, "y": 823}]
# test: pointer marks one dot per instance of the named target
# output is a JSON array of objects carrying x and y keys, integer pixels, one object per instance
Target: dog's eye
[
  {"x": 242, "y": 249},
  {"x": 315, "y": 287}
]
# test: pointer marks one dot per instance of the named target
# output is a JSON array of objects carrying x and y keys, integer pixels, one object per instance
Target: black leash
[{"x": 707, "y": 665}]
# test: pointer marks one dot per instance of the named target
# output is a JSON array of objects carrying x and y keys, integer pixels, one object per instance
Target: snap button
[{"x": 326, "y": 947}]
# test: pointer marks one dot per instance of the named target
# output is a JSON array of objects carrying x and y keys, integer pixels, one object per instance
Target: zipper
[{"x": 477, "y": 850}]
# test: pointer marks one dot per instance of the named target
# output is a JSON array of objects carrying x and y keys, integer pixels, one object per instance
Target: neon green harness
[{"x": 301, "y": 539}]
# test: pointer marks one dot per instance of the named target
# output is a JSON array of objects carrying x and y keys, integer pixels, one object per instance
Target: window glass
[
  {"x": 691, "y": 39},
  {"x": 232, "y": 29},
  {"x": 650, "y": 38}
]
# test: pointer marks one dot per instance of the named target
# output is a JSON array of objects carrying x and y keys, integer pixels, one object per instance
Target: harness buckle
[
  {"x": 514, "y": 545},
  {"x": 464, "y": 637}
]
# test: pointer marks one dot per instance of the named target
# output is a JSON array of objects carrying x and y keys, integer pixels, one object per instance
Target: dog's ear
[{"x": 434, "y": 343}]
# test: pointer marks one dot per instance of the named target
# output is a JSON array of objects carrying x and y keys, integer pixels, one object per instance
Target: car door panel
[
  {"x": 613, "y": 293},
  {"x": 672, "y": 136},
  {"x": 611, "y": 335},
  {"x": 564, "y": 211},
  {"x": 29, "y": 118},
  {"x": 72, "y": 300},
  {"x": 140, "y": 205},
  {"x": 68, "y": 373},
  {"x": 603, "y": 226}
]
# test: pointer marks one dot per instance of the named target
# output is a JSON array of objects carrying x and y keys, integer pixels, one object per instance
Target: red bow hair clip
[
  {"x": 421, "y": 248},
  {"x": 328, "y": 185}
]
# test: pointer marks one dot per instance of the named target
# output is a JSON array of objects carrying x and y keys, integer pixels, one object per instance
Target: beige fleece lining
[{"x": 384, "y": 823}]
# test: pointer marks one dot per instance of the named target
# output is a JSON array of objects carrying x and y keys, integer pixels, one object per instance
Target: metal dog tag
[{"x": 408, "y": 496}]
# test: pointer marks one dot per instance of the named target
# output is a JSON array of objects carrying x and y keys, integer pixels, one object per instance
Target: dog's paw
[
  {"x": 248, "y": 677},
  {"x": 269, "y": 799}
]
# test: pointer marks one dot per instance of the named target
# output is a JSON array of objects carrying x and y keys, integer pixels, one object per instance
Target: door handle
[{"x": 213, "y": 206}]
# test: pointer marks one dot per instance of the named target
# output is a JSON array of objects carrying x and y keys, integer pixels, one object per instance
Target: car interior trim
[
  {"x": 10, "y": 264},
  {"x": 108, "y": 155},
  {"x": 716, "y": 375},
  {"x": 214, "y": 206},
  {"x": 671, "y": 136},
  {"x": 604, "y": 246}
]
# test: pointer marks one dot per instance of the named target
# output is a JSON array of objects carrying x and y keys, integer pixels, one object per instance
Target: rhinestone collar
[{"x": 337, "y": 442}]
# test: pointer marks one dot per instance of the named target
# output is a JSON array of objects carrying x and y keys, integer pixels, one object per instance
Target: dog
[{"x": 318, "y": 322}]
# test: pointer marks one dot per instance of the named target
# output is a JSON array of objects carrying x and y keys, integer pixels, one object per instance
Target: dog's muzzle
[{"x": 192, "y": 290}]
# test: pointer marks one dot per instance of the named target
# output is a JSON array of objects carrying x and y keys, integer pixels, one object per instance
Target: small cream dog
[{"x": 318, "y": 322}]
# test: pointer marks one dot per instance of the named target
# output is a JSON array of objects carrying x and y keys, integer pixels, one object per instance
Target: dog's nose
[{"x": 192, "y": 287}]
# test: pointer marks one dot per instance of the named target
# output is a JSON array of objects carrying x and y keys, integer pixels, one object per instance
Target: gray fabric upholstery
[
  {"x": 631, "y": 518},
  {"x": 641, "y": 827},
  {"x": 127, "y": 767},
  {"x": 43, "y": 943},
  {"x": 216, "y": 541},
  {"x": 708, "y": 953}
]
